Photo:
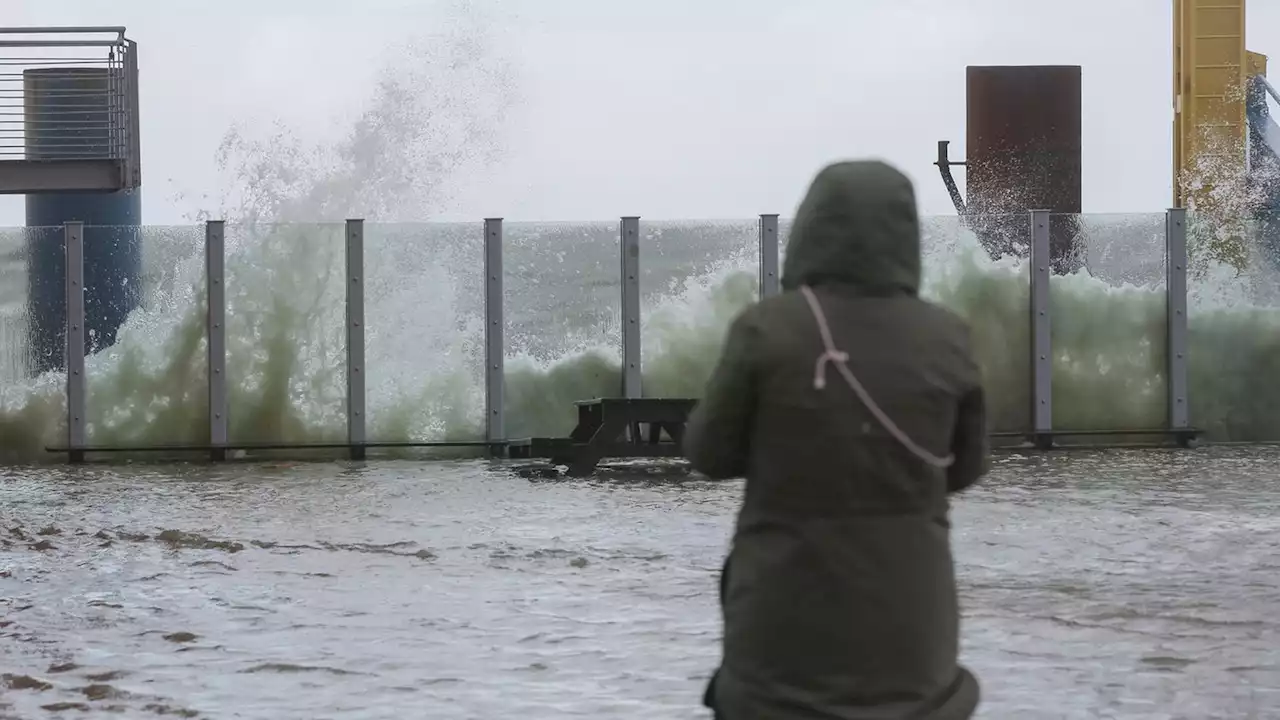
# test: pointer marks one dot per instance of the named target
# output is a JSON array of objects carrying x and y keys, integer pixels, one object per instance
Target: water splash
[
  {"x": 285, "y": 356},
  {"x": 436, "y": 112},
  {"x": 1228, "y": 193}
]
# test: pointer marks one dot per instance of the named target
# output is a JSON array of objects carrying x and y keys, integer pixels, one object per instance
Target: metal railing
[
  {"x": 70, "y": 94},
  {"x": 495, "y": 439}
]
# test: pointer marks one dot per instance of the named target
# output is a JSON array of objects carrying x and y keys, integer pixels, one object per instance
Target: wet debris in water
[
  {"x": 213, "y": 564},
  {"x": 180, "y": 539},
  {"x": 64, "y": 706},
  {"x": 96, "y": 691},
  {"x": 24, "y": 682},
  {"x": 159, "y": 709},
  {"x": 100, "y": 691},
  {"x": 287, "y": 668},
  {"x": 184, "y": 540},
  {"x": 181, "y": 637}
]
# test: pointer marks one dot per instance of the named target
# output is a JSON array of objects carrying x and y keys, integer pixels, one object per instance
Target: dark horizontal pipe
[
  {"x": 1083, "y": 433},
  {"x": 503, "y": 443},
  {"x": 61, "y": 43},
  {"x": 62, "y": 30},
  {"x": 1072, "y": 447},
  {"x": 282, "y": 446}
]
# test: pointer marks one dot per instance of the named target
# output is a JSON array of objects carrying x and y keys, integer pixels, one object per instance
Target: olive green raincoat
[{"x": 839, "y": 594}]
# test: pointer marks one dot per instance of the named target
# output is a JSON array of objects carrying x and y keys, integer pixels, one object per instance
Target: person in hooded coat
[{"x": 853, "y": 408}]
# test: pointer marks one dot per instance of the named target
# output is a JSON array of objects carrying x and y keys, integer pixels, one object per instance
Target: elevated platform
[
  {"x": 68, "y": 110},
  {"x": 20, "y": 177}
]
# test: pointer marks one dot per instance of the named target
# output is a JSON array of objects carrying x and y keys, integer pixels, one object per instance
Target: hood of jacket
[{"x": 858, "y": 227}]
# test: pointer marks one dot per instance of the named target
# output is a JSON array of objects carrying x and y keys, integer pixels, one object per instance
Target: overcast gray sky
[{"x": 663, "y": 108}]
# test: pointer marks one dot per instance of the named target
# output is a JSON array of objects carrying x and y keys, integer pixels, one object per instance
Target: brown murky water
[{"x": 1119, "y": 585}]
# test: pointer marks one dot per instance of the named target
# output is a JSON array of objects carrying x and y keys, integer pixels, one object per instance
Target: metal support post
[
  {"x": 768, "y": 256},
  {"x": 1041, "y": 333},
  {"x": 1175, "y": 237},
  {"x": 355, "y": 340},
  {"x": 216, "y": 334},
  {"x": 73, "y": 234},
  {"x": 494, "y": 345},
  {"x": 630, "y": 242}
]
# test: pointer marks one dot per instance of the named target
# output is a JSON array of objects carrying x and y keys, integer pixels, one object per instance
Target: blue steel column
[{"x": 68, "y": 113}]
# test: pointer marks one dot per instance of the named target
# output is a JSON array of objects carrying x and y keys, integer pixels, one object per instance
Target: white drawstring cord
[{"x": 840, "y": 359}]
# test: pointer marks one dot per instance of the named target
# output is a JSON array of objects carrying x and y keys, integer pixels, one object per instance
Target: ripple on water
[{"x": 1120, "y": 584}]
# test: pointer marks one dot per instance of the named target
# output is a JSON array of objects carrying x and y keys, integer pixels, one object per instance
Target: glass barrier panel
[
  {"x": 286, "y": 332},
  {"x": 424, "y": 331},
  {"x": 1233, "y": 319},
  {"x": 563, "y": 312},
  {"x": 33, "y": 395},
  {"x": 695, "y": 277},
  {"x": 977, "y": 267},
  {"x": 1108, "y": 323},
  {"x": 146, "y": 350}
]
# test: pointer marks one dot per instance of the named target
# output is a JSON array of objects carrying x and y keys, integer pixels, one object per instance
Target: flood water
[{"x": 1122, "y": 584}]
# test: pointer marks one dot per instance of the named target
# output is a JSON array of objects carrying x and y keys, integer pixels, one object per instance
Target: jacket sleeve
[
  {"x": 969, "y": 442},
  {"x": 718, "y": 434}
]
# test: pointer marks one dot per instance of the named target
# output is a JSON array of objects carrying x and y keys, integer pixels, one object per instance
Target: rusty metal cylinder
[{"x": 1022, "y": 153}]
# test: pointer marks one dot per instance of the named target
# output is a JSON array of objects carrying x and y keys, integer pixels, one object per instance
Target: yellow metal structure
[{"x": 1210, "y": 68}]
